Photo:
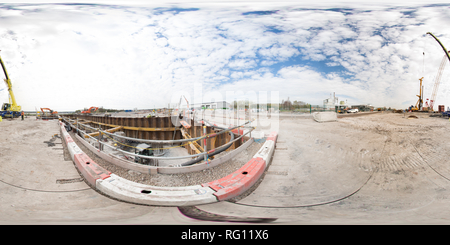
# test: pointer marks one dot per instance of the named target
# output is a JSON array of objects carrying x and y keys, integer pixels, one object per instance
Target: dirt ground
[
  {"x": 374, "y": 168},
  {"x": 378, "y": 168}
]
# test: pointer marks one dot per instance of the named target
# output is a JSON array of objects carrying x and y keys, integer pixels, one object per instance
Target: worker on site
[{"x": 22, "y": 115}]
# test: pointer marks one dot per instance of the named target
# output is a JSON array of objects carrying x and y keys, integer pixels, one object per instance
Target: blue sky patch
[
  {"x": 260, "y": 12},
  {"x": 173, "y": 10}
]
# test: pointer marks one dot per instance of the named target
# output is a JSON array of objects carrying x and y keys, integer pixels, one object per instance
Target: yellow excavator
[{"x": 10, "y": 109}]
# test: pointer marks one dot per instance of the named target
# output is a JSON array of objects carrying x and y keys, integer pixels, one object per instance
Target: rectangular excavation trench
[{"x": 159, "y": 128}]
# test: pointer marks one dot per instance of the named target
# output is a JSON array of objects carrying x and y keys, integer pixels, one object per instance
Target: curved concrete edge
[
  {"x": 145, "y": 169},
  {"x": 129, "y": 191},
  {"x": 90, "y": 170},
  {"x": 241, "y": 180}
]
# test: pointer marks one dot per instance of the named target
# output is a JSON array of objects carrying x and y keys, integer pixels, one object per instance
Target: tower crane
[
  {"x": 440, "y": 71},
  {"x": 10, "y": 109}
]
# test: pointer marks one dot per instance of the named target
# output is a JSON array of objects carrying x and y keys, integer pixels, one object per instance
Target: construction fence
[{"x": 309, "y": 109}]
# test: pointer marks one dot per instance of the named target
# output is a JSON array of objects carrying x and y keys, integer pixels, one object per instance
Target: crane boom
[
  {"x": 442, "y": 46},
  {"x": 437, "y": 81},
  {"x": 4, "y": 69},
  {"x": 9, "y": 108},
  {"x": 441, "y": 68}
]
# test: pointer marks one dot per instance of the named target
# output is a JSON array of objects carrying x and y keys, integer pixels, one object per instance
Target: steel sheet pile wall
[
  {"x": 153, "y": 122},
  {"x": 161, "y": 123},
  {"x": 214, "y": 142}
]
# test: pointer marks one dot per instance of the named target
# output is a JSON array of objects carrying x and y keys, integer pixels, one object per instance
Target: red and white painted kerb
[
  {"x": 241, "y": 180},
  {"x": 90, "y": 170},
  {"x": 126, "y": 190}
]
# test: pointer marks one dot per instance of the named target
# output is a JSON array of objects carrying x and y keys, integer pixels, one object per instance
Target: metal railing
[{"x": 157, "y": 141}]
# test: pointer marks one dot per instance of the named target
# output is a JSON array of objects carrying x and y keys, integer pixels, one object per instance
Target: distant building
[
  {"x": 211, "y": 105},
  {"x": 331, "y": 102}
]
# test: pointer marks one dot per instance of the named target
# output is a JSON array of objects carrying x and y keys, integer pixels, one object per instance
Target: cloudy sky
[{"x": 120, "y": 55}]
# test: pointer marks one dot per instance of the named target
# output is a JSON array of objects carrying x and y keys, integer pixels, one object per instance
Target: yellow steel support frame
[
  {"x": 111, "y": 130},
  {"x": 194, "y": 145},
  {"x": 135, "y": 128}
]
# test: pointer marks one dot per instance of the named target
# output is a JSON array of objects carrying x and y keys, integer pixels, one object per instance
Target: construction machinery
[
  {"x": 419, "y": 104},
  {"x": 442, "y": 46},
  {"x": 436, "y": 84},
  {"x": 48, "y": 113},
  {"x": 89, "y": 111},
  {"x": 439, "y": 75},
  {"x": 10, "y": 109},
  {"x": 341, "y": 109},
  {"x": 144, "y": 150}
]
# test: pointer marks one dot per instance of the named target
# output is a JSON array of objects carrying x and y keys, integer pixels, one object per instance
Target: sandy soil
[{"x": 378, "y": 168}]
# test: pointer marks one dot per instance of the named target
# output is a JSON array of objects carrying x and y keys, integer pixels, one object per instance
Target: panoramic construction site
[{"x": 221, "y": 165}]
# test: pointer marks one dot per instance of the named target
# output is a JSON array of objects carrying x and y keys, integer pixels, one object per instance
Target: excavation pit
[{"x": 116, "y": 141}]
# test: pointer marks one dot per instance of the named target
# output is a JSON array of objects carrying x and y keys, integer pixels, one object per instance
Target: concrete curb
[
  {"x": 241, "y": 180},
  {"x": 90, "y": 170},
  {"x": 129, "y": 191}
]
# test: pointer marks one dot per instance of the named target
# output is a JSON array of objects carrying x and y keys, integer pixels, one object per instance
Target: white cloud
[{"x": 84, "y": 55}]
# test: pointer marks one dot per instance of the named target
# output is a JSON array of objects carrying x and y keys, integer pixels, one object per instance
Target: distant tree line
[{"x": 100, "y": 110}]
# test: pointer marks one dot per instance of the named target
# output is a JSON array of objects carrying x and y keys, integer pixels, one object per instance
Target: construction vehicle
[
  {"x": 47, "y": 113},
  {"x": 10, "y": 109},
  {"x": 438, "y": 77},
  {"x": 341, "y": 109},
  {"x": 143, "y": 150},
  {"x": 419, "y": 104},
  {"x": 88, "y": 111},
  {"x": 437, "y": 81}
]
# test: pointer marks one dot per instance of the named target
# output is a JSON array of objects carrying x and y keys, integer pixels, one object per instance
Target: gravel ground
[{"x": 175, "y": 180}]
